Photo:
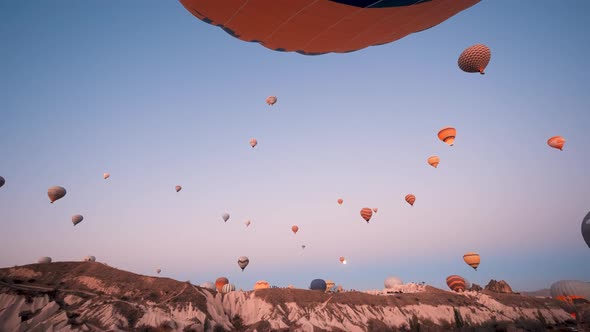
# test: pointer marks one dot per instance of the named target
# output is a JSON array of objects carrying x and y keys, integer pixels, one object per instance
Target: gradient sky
[{"x": 144, "y": 90}]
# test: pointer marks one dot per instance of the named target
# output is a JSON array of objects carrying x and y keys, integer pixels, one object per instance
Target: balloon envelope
[
  {"x": 56, "y": 192},
  {"x": 106, "y": 176},
  {"x": 77, "y": 218},
  {"x": 228, "y": 288},
  {"x": 90, "y": 259},
  {"x": 158, "y": 271},
  {"x": 472, "y": 259},
  {"x": 324, "y": 26},
  {"x": 178, "y": 188},
  {"x": 225, "y": 217},
  {"x": 456, "y": 283},
  {"x": 391, "y": 282},
  {"x": 44, "y": 260},
  {"x": 243, "y": 262},
  {"x": 556, "y": 142},
  {"x": 340, "y": 201},
  {"x": 294, "y": 229},
  {"x": 2, "y": 181},
  {"x": 247, "y": 223},
  {"x": 433, "y": 161},
  {"x": 568, "y": 290},
  {"x": 253, "y": 142},
  {"x": 271, "y": 100},
  {"x": 366, "y": 213},
  {"x": 475, "y": 59},
  {"x": 447, "y": 135},
  {"x": 261, "y": 284},
  {"x": 318, "y": 284},
  {"x": 586, "y": 229}
]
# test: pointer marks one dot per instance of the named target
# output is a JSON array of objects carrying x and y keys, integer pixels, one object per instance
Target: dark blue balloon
[{"x": 318, "y": 284}]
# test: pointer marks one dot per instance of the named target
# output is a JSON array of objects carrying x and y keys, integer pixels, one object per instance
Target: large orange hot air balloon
[
  {"x": 323, "y": 26},
  {"x": 410, "y": 199},
  {"x": 475, "y": 59},
  {"x": 366, "y": 213},
  {"x": 472, "y": 259},
  {"x": 456, "y": 283},
  {"x": 294, "y": 228},
  {"x": 340, "y": 201},
  {"x": 447, "y": 135},
  {"x": 271, "y": 100},
  {"x": 220, "y": 282},
  {"x": 433, "y": 161},
  {"x": 556, "y": 142}
]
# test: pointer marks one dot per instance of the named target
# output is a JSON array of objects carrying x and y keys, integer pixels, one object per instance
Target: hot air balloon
[
  {"x": 55, "y": 193},
  {"x": 271, "y": 100},
  {"x": 375, "y": 210},
  {"x": 220, "y": 282},
  {"x": 76, "y": 219},
  {"x": 586, "y": 229},
  {"x": 178, "y": 188},
  {"x": 556, "y": 142},
  {"x": 456, "y": 283},
  {"x": 475, "y": 59},
  {"x": 366, "y": 213},
  {"x": 2, "y": 181},
  {"x": 44, "y": 260},
  {"x": 208, "y": 285},
  {"x": 303, "y": 246},
  {"x": 472, "y": 259},
  {"x": 158, "y": 271},
  {"x": 433, "y": 161},
  {"x": 247, "y": 223},
  {"x": 225, "y": 217},
  {"x": 318, "y": 284},
  {"x": 342, "y": 260},
  {"x": 329, "y": 284},
  {"x": 410, "y": 199},
  {"x": 392, "y": 282},
  {"x": 261, "y": 284},
  {"x": 324, "y": 26},
  {"x": 447, "y": 135},
  {"x": 340, "y": 201},
  {"x": 243, "y": 262},
  {"x": 570, "y": 290},
  {"x": 90, "y": 259},
  {"x": 105, "y": 175},
  {"x": 253, "y": 142},
  {"x": 228, "y": 288},
  {"x": 294, "y": 229}
]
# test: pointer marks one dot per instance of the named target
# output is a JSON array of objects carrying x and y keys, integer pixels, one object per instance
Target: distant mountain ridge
[{"x": 89, "y": 296}]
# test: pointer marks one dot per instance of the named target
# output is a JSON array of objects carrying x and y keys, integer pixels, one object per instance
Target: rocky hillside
[{"x": 88, "y": 296}]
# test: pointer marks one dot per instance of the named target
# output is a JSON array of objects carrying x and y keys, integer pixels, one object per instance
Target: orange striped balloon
[
  {"x": 367, "y": 213},
  {"x": 433, "y": 161},
  {"x": 556, "y": 142},
  {"x": 294, "y": 228},
  {"x": 447, "y": 135},
  {"x": 410, "y": 199},
  {"x": 472, "y": 259},
  {"x": 475, "y": 59},
  {"x": 456, "y": 283},
  {"x": 340, "y": 201}
]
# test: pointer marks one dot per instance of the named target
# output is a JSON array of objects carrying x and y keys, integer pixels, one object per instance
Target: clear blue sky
[{"x": 147, "y": 92}]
